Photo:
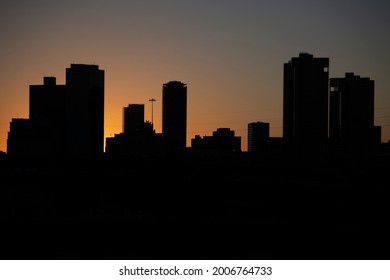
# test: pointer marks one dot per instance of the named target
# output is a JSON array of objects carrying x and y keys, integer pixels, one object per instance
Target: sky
[{"x": 229, "y": 53}]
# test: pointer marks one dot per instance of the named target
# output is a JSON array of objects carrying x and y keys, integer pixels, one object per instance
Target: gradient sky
[{"x": 229, "y": 53}]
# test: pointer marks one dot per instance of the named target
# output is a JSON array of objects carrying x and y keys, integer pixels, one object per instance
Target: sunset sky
[{"x": 229, "y": 53}]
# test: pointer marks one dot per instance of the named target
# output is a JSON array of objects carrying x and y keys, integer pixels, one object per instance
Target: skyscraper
[
  {"x": 64, "y": 119},
  {"x": 44, "y": 132},
  {"x": 305, "y": 106},
  {"x": 85, "y": 110},
  {"x": 47, "y": 107},
  {"x": 351, "y": 122},
  {"x": 258, "y": 137},
  {"x": 174, "y": 115},
  {"x": 133, "y": 117}
]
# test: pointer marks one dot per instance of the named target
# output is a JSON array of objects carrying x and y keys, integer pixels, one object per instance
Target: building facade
[
  {"x": 85, "y": 110},
  {"x": 258, "y": 137},
  {"x": 351, "y": 120},
  {"x": 174, "y": 115},
  {"x": 223, "y": 139},
  {"x": 305, "y": 107},
  {"x": 133, "y": 117},
  {"x": 47, "y": 109},
  {"x": 64, "y": 120},
  {"x": 138, "y": 139}
]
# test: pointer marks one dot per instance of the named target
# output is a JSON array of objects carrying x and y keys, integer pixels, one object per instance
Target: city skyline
[
  {"x": 76, "y": 73},
  {"x": 67, "y": 121},
  {"x": 230, "y": 54},
  {"x": 307, "y": 125}
]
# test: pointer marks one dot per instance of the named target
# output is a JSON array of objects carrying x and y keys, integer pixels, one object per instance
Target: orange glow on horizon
[{"x": 232, "y": 65}]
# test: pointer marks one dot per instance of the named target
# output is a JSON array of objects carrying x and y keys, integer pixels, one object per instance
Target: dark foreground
[{"x": 202, "y": 210}]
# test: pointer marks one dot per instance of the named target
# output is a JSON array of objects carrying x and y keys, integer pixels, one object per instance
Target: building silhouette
[
  {"x": 28, "y": 138},
  {"x": 258, "y": 138},
  {"x": 43, "y": 133},
  {"x": 138, "y": 139},
  {"x": 223, "y": 139},
  {"x": 64, "y": 120},
  {"x": 47, "y": 107},
  {"x": 351, "y": 120},
  {"x": 133, "y": 118},
  {"x": 276, "y": 148},
  {"x": 85, "y": 110},
  {"x": 377, "y": 139},
  {"x": 174, "y": 116},
  {"x": 305, "y": 107}
]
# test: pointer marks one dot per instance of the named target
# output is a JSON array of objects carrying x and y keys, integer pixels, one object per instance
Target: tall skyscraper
[
  {"x": 305, "y": 106},
  {"x": 85, "y": 110},
  {"x": 133, "y": 117},
  {"x": 174, "y": 115},
  {"x": 351, "y": 122}
]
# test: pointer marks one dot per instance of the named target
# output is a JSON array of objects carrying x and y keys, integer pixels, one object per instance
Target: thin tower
[{"x": 152, "y": 100}]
